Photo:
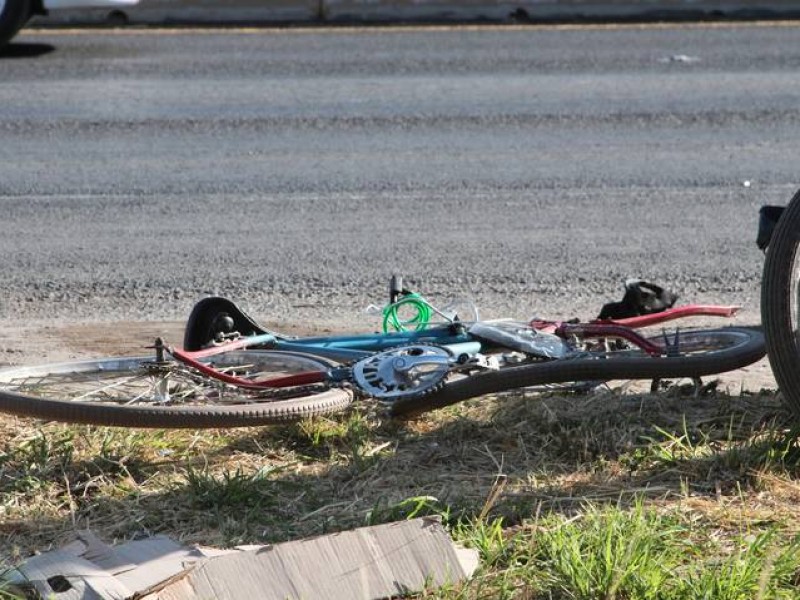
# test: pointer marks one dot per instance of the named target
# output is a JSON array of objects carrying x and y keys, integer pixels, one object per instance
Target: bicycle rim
[
  {"x": 685, "y": 344},
  {"x": 707, "y": 352},
  {"x": 139, "y": 391}
]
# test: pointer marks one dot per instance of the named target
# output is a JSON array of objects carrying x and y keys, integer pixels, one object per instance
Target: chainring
[{"x": 402, "y": 372}]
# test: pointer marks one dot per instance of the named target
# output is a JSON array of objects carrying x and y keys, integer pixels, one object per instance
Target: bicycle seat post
[{"x": 395, "y": 288}]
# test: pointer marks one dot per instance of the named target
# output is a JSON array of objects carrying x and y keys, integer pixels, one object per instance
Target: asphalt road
[{"x": 533, "y": 169}]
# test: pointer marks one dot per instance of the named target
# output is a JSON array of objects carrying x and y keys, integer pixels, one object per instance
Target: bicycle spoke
[{"x": 106, "y": 388}]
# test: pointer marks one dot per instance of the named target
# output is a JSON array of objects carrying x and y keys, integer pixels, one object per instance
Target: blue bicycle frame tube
[{"x": 354, "y": 347}]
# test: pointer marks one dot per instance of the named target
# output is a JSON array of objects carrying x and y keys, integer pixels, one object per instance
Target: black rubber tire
[
  {"x": 779, "y": 287},
  {"x": 13, "y": 17},
  {"x": 747, "y": 350},
  {"x": 169, "y": 416}
]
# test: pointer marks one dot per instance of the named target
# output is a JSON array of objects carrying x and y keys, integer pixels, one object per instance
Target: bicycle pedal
[
  {"x": 481, "y": 361},
  {"x": 340, "y": 375}
]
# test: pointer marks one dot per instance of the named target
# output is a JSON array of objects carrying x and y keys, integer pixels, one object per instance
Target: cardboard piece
[
  {"x": 87, "y": 568},
  {"x": 370, "y": 562},
  {"x": 60, "y": 574}
]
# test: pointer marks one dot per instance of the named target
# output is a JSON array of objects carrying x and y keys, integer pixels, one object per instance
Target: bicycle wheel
[
  {"x": 142, "y": 392},
  {"x": 703, "y": 352},
  {"x": 780, "y": 304}
]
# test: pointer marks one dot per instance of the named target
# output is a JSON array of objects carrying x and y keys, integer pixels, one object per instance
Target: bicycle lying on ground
[
  {"x": 234, "y": 372},
  {"x": 779, "y": 235}
]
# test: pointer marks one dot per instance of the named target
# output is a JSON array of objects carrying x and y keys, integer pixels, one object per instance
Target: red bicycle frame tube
[
  {"x": 624, "y": 328},
  {"x": 690, "y": 310},
  {"x": 190, "y": 359},
  {"x": 266, "y": 340},
  {"x": 601, "y": 330}
]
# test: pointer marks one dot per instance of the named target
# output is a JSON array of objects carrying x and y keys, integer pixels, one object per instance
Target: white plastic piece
[{"x": 520, "y": 336}]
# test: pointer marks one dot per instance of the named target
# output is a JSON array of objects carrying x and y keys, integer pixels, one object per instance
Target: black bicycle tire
[
  {"x": 177, "y": 416},
  {"x": 13, "y": 17},
  {"x": 783, "y": 347},
  {"x": 590, "y": 369}
]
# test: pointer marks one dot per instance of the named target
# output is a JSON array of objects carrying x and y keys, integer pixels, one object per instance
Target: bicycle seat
[{"x": 213, "y": 318}]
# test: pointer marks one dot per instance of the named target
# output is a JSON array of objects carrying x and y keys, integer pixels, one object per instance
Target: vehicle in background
[{"x": 15, "y": 13}]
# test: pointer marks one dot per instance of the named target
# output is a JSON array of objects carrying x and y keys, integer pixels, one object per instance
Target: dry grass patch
[{"x": 524, "y": 477}]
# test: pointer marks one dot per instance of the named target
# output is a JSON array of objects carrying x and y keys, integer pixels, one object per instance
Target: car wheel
[{"x": 13, "y": 15}]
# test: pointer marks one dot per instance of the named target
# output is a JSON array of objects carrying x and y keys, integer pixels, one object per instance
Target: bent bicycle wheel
[
  {"x": 702, "y": 352},
  {"x": 143, "y": 392},
  {"x": 780, "y": 304}
]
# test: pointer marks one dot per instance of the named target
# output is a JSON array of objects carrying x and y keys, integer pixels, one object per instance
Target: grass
[{"x": 609, "y": 495}]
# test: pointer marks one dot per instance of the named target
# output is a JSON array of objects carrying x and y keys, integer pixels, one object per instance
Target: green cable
[{"x": 391, "y": 320}]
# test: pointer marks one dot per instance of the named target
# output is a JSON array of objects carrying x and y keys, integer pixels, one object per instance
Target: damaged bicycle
[{"x": 233, "y": 372}]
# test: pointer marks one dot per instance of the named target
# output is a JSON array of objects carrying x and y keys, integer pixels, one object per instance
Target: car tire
[{"x": 13, "y": 15}]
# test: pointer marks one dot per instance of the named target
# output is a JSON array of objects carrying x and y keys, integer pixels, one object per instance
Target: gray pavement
[
  {"x": 254, "y": 12},
  {"x": 534, "y": 169}
]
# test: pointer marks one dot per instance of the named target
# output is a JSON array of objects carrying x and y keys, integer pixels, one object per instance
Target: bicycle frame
[
  {"x": 348, "y": 347},
  {"x": 454, "y": 337}
]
